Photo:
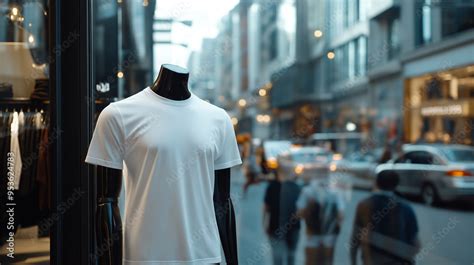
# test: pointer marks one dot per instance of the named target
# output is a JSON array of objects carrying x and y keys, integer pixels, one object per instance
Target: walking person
[
  {"x": 280, "y": 220},
  {"x": 385, "y": 227},
  {"x": 251, "y": 169},
  {"x": 321, "y": 206},
  {"x": 386, "y": 155}
]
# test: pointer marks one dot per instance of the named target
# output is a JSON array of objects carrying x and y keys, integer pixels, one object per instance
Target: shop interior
[
  {"x": 24, "y": 128},
  {"x": 439, "y": 107}
]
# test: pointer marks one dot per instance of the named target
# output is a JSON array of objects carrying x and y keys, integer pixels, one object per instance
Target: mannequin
[{"x": 172, "y": 83}]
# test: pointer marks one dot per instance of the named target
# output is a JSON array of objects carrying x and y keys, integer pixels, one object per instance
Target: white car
[
  {"x": 304, "y": 162},
  {"x": 436, "y": 172},
  {"x": 360, "y": 167}
]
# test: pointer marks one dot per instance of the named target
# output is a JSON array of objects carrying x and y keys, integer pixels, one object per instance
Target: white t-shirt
[{"x": 170, "y": 150}]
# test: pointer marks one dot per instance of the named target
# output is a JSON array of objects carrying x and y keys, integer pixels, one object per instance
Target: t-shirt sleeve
[
  {"x": 107, "y": 145},
  {"x": 228, "y": 151}
]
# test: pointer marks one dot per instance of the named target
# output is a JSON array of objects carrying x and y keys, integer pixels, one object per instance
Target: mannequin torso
[{"x": 172, "y": 83}]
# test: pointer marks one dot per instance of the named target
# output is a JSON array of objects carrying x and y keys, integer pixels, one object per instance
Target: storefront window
[
  {"x": 23, "y": 43},
  {"x": 25, "y": 135},
  {"x": 441, "y": 107},
  {"x": 304, "y": 126},
  {"x": 324, "y": 160}
]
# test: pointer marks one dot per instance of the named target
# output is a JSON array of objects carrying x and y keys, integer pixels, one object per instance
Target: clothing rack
[
  {"x": 13, "y": 103},
  {"x": 32, "y": 198}
]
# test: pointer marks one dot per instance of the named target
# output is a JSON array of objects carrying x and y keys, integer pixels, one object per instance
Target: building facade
[
  {"x": 391, "y": 70},
  {"x": 420, "y": 76},
  {"x": 396, "y": 70},
  {"x": 438, "y": 72},
  {"x": 202, "y": 64},
  {"x": 256, "y": 40}
]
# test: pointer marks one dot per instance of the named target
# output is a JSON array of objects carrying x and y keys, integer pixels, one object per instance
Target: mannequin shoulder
[
  {"x": 217, "y": 111},
  {"x": 129, "y": 104},
  {"x": 109, "y": 112}
]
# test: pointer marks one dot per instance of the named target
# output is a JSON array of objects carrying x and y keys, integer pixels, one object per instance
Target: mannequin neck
[{"x": 172, "y": 82}]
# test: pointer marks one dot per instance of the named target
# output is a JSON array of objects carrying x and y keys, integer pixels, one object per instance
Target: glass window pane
[
  {"x": 362, "y": 55},
  {"x": 26, "y": 134},
  {"x": 242, "y": 61}
]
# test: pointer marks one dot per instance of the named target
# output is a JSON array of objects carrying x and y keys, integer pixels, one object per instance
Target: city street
[{"x": 446, "y": 233}]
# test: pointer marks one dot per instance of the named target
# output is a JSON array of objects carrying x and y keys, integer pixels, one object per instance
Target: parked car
[
  {"x": 435, "y": 172},
  {"x": 304, "y": 162}
]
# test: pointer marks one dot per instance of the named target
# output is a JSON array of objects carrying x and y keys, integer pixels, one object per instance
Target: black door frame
[{"x": 72, "y": 106}]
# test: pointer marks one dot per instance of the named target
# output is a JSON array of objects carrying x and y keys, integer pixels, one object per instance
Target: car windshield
[
  {"x": 460, "y": 155},
  {"x": 359, "y": 157},
  {"x": 310, "y": 157},
  {"x": 274, "y": 148}
]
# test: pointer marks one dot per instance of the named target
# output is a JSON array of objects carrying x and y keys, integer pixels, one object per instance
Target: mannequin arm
[
  {"x": 225, "y": 215},
  {"x": 108, "y": 222}
]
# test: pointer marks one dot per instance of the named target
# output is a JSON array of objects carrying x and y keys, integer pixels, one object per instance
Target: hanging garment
[
  {"x": 21, "y": 133},
  {"x": 21, "y": 119},
  {"x": 15, "y": 149},
  {"x": 29, "y": 141},
  {"x": 43, "y": 174},
  {"x": 38, "y": 120}
]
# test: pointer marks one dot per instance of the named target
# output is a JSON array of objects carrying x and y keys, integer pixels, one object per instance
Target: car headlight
[
  {"x": 337, "y": 157},
  {"x": 299, "y": 169},
  {"x": 272, "y": 163}
]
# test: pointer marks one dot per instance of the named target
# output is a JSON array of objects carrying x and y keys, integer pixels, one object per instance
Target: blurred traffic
[
  {"x": 315, "y": 198},
  {"x": 434, "y": 173}
]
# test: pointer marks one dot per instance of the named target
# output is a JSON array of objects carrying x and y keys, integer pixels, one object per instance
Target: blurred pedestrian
[
  {"x": 262, "y": 160},
  {"x": 386, "y": 155},
  {"x": 398, "y": 149},
  {"x": 251, "y": 169},
  {"x": 280, "y": 221},
  {"x": 385, "y": 227},
  {"x": 322, "y": 207}
]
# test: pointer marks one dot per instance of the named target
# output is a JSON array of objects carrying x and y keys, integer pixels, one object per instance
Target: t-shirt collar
[{"x": 170, "y": 101}]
